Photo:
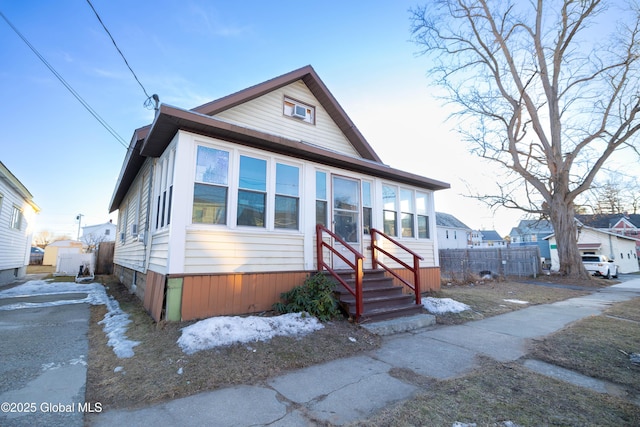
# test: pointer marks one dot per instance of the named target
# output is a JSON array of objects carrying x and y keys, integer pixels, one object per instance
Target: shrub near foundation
[{"x": 315, "y": 297}]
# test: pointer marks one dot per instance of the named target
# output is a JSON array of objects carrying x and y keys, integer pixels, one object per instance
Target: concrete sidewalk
[{"x": 355, "y": 388}]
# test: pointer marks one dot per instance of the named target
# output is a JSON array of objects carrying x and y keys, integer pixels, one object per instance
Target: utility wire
[
  {"x": 119, "y": 51},
  {"x": 84, "y": 103}
]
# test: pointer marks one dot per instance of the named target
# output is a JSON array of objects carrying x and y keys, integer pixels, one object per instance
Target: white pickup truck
[{"x": 600, "y": 265}]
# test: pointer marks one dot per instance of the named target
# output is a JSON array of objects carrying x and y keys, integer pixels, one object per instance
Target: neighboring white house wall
[
  {"x": 265, "y": 114},
  {"x": 452, "y": 238},
  {"x": 620, "y": 249},
  {"x": 16, "y": 228}
]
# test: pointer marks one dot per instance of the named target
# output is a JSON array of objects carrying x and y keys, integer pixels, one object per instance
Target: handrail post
[
  {"x": 319, "y": 247},
  {"x": 416, "y": 278},
  {"x": 374, "y": 252},
  {"x": 359, "y": 296}
]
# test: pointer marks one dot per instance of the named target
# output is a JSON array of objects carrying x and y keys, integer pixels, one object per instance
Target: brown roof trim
[
  {"x": 310, "y": 78},
  {"x": 171, "y": 119},
  {"x": 152, "y": 140}
]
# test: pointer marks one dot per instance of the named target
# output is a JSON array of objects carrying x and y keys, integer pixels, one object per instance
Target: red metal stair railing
[
  {"x": 357, "y": 266},
  {"x": 415, "y": 269}
]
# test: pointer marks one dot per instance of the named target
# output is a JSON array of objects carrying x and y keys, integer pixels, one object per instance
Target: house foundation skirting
[{"x": 192, "y": 297}]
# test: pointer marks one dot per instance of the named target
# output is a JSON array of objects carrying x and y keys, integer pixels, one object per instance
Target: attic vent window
[{"x": 299, "y": 111}]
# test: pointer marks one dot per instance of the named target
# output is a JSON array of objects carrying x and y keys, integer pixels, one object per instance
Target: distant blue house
[{"x": 532, "y": 232}]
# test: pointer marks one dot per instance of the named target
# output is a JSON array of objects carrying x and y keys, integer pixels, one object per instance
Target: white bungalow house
[
  {"x": 17, "y": 217},
  {"x": 219, "y": 205},
  {"x": 621, "y": 249}
]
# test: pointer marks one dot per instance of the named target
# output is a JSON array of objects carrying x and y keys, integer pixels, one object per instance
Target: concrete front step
[
  {"x": 400, "y": 324},
  {"x": 389, "y": 312}
]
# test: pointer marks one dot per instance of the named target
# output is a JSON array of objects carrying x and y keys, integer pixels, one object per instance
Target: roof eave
[{"x": 170, "y": 120}]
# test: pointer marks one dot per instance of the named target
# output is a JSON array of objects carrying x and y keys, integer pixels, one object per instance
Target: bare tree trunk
[{"x": 562, "y": 217}]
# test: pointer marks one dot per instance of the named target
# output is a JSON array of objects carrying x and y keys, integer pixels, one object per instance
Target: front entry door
[{"x": 346, "y": 218}]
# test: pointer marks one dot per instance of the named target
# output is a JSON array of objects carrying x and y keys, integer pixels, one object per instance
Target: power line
[
  {"x": 84, "y": 103},
  {"x": 120, "y": 52}
]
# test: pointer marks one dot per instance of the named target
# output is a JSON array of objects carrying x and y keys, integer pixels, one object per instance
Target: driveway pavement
[{"x": 44, "y": 356}]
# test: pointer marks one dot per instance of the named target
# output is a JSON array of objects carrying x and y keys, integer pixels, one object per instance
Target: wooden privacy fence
[
  {"x": 521, "y": 261},
  {"x": 104, "y": 258}
]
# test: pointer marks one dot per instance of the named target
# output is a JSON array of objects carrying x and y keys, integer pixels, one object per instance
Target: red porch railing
[
  {"x": 357, "y": 266},
  {"x": 415, "y": 269}
]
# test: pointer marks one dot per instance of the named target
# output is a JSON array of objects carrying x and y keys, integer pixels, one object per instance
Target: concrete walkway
[{"x": 355, "y": 388}]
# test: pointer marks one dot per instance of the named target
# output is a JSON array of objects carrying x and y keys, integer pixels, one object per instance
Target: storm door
[{"x": 346, "y": 218}]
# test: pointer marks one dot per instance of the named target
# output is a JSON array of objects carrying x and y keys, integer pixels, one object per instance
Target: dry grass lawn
[{"x": 494, "y": 393}]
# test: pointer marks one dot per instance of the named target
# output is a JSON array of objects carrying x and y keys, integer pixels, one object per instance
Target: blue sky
[{"x": 191, "y": 52}]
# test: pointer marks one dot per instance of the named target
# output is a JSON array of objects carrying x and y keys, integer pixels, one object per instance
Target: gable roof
[
  {"x": 532, "y": 226},
  {"x": 15, "y": 183},
  {"x": 152, "y": 140},
  {"x": 491, "y": 235},
  {"x": 311, "y": 79},
  {"x": 608, "y": 220},
  {"x": 449, "y": 221}
]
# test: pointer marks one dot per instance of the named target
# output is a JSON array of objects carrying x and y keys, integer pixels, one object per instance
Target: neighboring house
[
  {"x": 93, "y": 235},
  {"x": 54, "y": 250},
  {"x": 218, "y": 205},
  {"x": 532, "y": 232},
  {"x": 17, "y": 217},
  {"x": 624, "y": 224},
  {"x": 487, "y": 239},
  {"x": 621, "y": 249},
  {"x": 452, "y": 233}
]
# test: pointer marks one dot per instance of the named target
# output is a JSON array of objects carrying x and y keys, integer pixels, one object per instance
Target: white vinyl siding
[
  {"x": 130, "y": 252},
  {"x": 243, "y": 252},
  {"x": 159, "y": 253},
  {"x": 14, "y": 242},
  {"x": 265, "y": 114}
]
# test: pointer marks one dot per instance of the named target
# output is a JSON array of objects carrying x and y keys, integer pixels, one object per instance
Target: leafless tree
[
  {"x": 42, "y": 238},
  {"x": 540, "y": 90}
]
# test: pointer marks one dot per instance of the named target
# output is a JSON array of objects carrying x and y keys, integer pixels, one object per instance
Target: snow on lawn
[
  {"x": 114, "y": 323},
  {"x": 443, "y": 305},
  {"x": 220, "y": 331},
  {"x": 516, "y": 301}
]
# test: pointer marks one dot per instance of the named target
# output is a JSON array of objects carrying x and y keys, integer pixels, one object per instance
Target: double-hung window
[
  {"x": 287, "y": 201},
  {"x": 422, "y": 213},
  {"x": 321, "y": 198},
  {"x": 16, "y": 218},
  {"x": 390, "y": 210},
  {"x": 406, "y": 215},
  {"x": 252, "y": 192},
  {"x": 366, "y": 207},
  {"x": 211, "y": 188}
]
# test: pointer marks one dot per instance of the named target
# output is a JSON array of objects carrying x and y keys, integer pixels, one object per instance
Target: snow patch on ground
[
  {"x": 516, "y": 301},
  {"x": 221, "y": 331},
  {"x": 443, "y": 305}
]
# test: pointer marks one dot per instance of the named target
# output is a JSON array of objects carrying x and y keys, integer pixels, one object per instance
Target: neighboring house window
[
  {"x": 252, "y": 192},
  {"x": 299, "y": 110},
  {"x": 390, "y": 213},
  {"x": 321, "y": 198},
  {"x": 366, "y": 207},
  {"x": 446, "y": 233},
  {"x": 422, "y": 214},
  {"x": 16, "y": 218},
  {"x": 210, "y": 193},
  {"x": 107, "y": 232},
  {"x": 287, "y": 202}
]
